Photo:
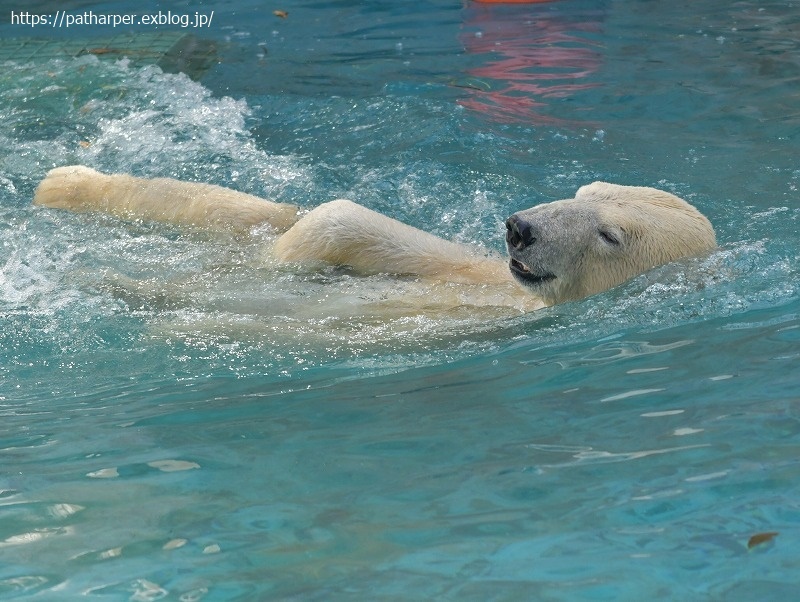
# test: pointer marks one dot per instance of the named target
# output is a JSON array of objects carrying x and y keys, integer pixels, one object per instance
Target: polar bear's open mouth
[{"x": 521, "y": 271}]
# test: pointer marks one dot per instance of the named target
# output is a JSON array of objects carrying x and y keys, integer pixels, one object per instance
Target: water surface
[{"x": 214, "y": 444}]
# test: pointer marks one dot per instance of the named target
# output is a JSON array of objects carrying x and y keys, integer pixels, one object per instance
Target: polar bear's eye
[{"x": 609, "y": 237}]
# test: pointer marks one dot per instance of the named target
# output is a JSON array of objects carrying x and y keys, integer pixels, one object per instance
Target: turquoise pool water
[{"x": 216, "y": 436}]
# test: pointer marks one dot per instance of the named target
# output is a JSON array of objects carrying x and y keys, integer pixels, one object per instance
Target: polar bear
[{"x": 558, "y": 252}]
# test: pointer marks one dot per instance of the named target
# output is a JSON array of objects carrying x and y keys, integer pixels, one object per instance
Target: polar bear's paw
[{"x": 66, "y": 187}]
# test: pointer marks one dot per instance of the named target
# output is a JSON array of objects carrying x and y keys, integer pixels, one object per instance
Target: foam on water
[
  {"x": 189, "y": 286},
  {"x": 146, "y": 122}
]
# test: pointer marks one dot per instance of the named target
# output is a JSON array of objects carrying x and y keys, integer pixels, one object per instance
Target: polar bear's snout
[
  {"x": 526, "y": 261},
  {"x": 519, "y": 232}
]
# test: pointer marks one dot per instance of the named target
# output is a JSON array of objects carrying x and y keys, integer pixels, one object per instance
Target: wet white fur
[{"x": 653, "y": 227}]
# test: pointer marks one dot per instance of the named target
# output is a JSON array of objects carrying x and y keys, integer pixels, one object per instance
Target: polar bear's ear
[{"x": 596, "y": 191}]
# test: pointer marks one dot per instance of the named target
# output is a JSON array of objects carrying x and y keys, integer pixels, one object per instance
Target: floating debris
[{"x": 760, "y": 538}]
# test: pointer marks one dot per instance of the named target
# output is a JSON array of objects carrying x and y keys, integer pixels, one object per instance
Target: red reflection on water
[{"x": 535, "y": 55}]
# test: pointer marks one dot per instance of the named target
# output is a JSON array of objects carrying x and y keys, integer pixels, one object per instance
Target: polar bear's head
[{"x": 608, "y": 233}]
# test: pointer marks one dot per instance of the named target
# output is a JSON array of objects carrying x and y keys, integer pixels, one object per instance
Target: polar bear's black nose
[{"x": 519, "y": 233}]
